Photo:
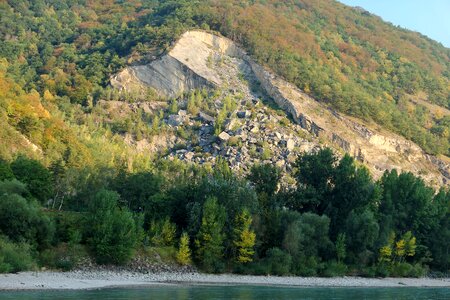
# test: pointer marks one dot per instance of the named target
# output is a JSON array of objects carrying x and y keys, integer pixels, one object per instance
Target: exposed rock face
[
  {"x": 182, "y": 69},
  {"x": 188, "y": 66}
]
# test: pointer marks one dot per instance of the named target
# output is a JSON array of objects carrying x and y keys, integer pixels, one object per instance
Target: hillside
[
  {"x": 200, "y": 60},
  {"x": 261, "y": 137},
  {"x": 344, "y": 57}
]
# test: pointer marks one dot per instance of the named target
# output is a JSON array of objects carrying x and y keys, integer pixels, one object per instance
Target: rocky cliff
[{"x": 196, "y": 61}]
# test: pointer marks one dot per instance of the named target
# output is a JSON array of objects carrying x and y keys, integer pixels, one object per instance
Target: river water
[{"x": 241, "y": 292}]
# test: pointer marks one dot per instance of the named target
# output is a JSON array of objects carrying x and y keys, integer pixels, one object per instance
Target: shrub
[
  {"x": 184, "y": 253},
  {"x": 233, "y": 141},
  {"x": 279, "y": 262},
  {"x": 382, "y": 270},
  {"x": 254, "y": 268},
  {"x": 63, "y": 257},
  {"x": 37, "y": 178},
  {"x": 67, "y": 226},
  {"x": 162, "y": 233},
  {"x": 23, "y": 220},
  {"x": 333, "y": 269},
  {"x": 407, "y": 270},
  {"x": 14, "y": 257},
  {"x": 307, "y": 266}
]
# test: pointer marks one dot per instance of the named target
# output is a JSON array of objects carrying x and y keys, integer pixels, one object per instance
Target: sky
[{"x": 429, "y": 17}]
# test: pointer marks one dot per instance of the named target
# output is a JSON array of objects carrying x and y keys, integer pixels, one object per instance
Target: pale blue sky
[{"x": 429, "y": 17}]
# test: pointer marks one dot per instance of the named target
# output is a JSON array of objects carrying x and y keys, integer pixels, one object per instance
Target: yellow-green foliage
[
  {"x": 162, "y": 232},
  {"x": 244, "y": 238},
  {"x": 184, "y": 252},
  {"x": 397, "y": 250}
]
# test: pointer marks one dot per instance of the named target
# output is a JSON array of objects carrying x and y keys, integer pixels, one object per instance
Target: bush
[
  {"x": 370, "y": 272},
  {"x": 407, "y": 270},
  {"x": 23, "y": 221},
  {"x": 333, "y": 269},
  {"x": 162, "y": 233},
  {"x": 68, "y": 227},
  {"x": 278, "y": 261},
  {"x": 64, "y": 257},
  {"x": 37, "y": 178},
  {"x": 233, "y": 141},
  {"x": 14, "y": 257},
  {"x": 254, "y": 268},
  {"x": 307, "y": 266},
  {"x": 382, "y": 270}
]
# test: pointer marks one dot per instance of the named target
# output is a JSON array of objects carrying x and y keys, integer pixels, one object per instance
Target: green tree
[
  {"x": 314, "y": 178},
  {"x": 209, "y": 242},
  {"x": 139, "y": 190},
  {"x": 353, "y": 190},
  {"x": 192, "y": 106},
  {"x": 362, "y": 231},
  {"x": 37, "y": 178},
  {"x": 111, "y": 231},
  {"x": 23, "y": 220},
  {"x": 340, "y": 247},
  {"x": 406, "y": 204},
  {"x": 265, "y": 178},
  {"x": 5, "y": 171}
]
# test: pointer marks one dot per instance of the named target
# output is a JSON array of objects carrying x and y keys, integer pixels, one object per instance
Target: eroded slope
[{"x": 196, "y": 61}]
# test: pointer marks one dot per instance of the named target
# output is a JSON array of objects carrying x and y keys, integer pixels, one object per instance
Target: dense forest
[
  {"x": 70, "y": 187},
  {"x": 335, "y": 221}
]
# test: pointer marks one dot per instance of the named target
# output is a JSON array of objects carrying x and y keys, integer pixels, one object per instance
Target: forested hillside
[
  {"x": 72, "y": 187},
  {"x": 342, "y": 56}
]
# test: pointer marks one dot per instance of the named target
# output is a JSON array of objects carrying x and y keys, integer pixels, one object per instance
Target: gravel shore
[{"x": 77, "y": 280}]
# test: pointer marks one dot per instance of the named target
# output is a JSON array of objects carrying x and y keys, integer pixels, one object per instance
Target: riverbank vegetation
[{"x": 336, "y": 220}]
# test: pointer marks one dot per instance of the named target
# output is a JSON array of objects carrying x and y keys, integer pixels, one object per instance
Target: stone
[
  {"x": 175, "y": 120},
  {"x": 189, "y": 155},
  {"x": 255, "y": 129},
  {"x": 280, "y": 163},
  {"x": 206, "y": 117},
  {"x": 231, "y": 124},
  {"x": 223, "y": 136},
  {"x": 290, "y": 144},
  {"x": 244, "y": 114}
]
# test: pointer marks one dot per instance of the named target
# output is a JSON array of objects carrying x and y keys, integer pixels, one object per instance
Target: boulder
[
  {"x": 244, "y": 114},
  {"x": 206, "y": 117},
  {"x": 189, "y": 155},
  {"x": 290, "y": 144},
  {"x": 175, "y": 120},
  {"x": 223, "y": 136}
]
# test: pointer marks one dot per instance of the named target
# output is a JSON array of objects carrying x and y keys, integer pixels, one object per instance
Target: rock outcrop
[{"x": 192, "y": 64}]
